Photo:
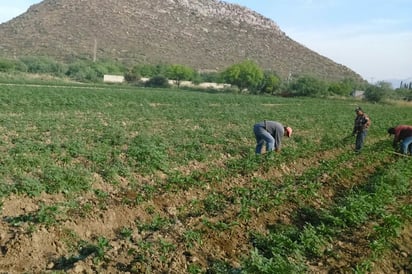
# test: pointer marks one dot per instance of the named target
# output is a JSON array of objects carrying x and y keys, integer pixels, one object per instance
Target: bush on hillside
[
  {"x": 44, "y": 65},
  {"x": 158, "y": 81}
]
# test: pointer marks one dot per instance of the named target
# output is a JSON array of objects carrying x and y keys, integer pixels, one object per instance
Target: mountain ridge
[{"x": 203, "y": 34}]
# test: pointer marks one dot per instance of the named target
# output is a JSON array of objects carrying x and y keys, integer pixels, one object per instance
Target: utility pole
[
  {"x": 94, "y": 50},
  {"x": 289, "y": 76}
]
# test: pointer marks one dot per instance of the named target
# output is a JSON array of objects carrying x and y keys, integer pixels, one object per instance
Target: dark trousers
[{"x": 360, "y": 139}]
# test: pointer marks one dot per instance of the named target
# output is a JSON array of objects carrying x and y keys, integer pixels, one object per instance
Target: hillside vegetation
[{"x": 114, "y": 179}]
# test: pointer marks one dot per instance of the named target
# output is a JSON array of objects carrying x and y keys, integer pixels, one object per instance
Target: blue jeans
[
  {"x": 405, "y": 144},
  {"x": 360, "y": 139},
  {"x": 262, "y": 137}
]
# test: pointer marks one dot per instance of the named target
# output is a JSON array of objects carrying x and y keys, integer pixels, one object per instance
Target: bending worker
[
  {"x": 403, "y": 135},
  {"x": 271, "y": 133}
]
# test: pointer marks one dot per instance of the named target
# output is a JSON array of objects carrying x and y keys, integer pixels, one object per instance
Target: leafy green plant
[
  {"x": 158, "y": 222},
  {"x": 312, "y": 242},
  {"x": 98, "y": 249},
  {"x": 194, "y": 269},
  {"x": 192, "y": 237},
  {"x": 46, "y": 215},
  {"x": 147, "y": 154},
  {"x": 66, "y": 180},
  {"x": 214, "y": 203},
  {"x": 126, "y": 233}
]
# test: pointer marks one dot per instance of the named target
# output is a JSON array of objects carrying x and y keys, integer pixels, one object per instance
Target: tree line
[{"x": 244, "y": 77}]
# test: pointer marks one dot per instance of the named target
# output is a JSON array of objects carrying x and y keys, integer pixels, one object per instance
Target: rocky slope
[{"x": 203, "y": 34}]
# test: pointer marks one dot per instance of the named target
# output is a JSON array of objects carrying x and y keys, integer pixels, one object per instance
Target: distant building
[
  {"x": 358, "y": 94},
  {"x": 113, "y": 78}
]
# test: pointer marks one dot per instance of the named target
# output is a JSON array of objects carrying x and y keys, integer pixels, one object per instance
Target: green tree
[
  {"x": 6, "y": 65},
  {"x": 43, "y": 65},
  {"x": 308, "y": 86},
  {"x": 144, "y": 70},
  {"x": 212, "y": 76},
  {"x": 82, "y": 71},
  {"x": 245, "y": 75},
  {"x": 132, "y": 76},
  {"x": 379, "y": 91},
  {"x": 107, "y": 67},
  {"x": 179, "y": 73},
  {"x": 343, "y": 88},
  {"x": 402, "y": 93},
  {"x": 86, "y": 70},
  {"x": 271, "y": 83},
  {"x": 158, "y": 81},
  {"x": 149, "y": 70}
]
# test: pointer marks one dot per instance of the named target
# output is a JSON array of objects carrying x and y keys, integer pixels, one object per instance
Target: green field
[{"x": 114, "y": 179}]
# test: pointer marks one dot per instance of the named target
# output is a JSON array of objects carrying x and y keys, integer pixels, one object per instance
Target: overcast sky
[{"x": 371, "y": 37}]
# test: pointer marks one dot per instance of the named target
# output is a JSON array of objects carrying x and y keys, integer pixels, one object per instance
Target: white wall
[{"x": 113, "y": 78}]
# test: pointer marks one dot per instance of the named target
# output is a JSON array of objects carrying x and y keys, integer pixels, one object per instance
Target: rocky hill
[{"x": 203, "y": 34}]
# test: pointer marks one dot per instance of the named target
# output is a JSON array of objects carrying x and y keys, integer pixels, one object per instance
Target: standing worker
[
  {"x": 360, "y": 129},
  {"x": 403, "y": 134},
  {"x": 271, "y": 133}
]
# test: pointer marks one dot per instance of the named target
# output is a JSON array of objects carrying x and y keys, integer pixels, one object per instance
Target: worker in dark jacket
[
  {"x": 360, "y": 129},
  {"x": 403, "y": 135},
  {"x": 271, "y": 133}
]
